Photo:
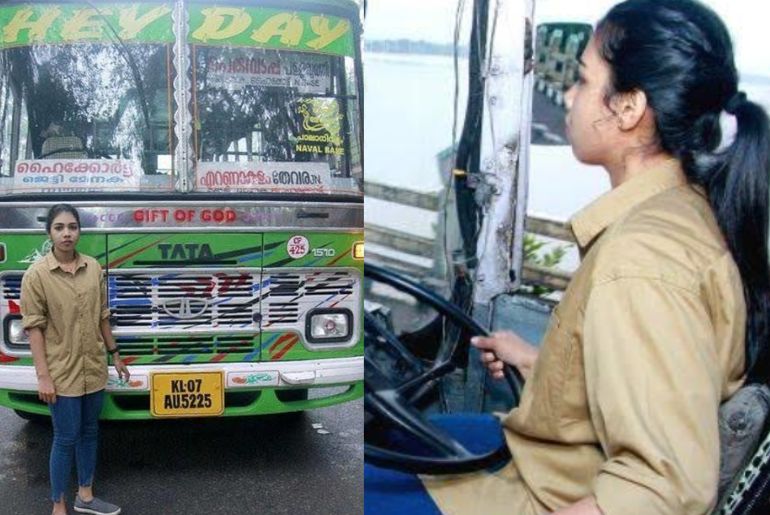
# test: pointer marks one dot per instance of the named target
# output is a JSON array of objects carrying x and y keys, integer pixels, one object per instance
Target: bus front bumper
[{"x": 255, "y": 388}]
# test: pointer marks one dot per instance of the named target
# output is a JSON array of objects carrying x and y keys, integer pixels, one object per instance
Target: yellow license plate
[{"x": 187, "y": 394}]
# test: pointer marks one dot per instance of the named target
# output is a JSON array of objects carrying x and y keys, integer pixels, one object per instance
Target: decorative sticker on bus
[
  {"x": 184, "y": 215},
  {"x": 37, "y": 253},
  {"x": 321, "y": 120},
  {"x": 270, "y": 28},
  {"x": 297, "y": 247},
  {"x": 259, "y": 176},
  {"x": 141, "y": 22},
  {"x": 236, "y": 69},
  {"x": 66, "y": 175}
]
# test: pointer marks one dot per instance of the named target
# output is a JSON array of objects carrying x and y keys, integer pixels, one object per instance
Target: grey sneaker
[{"x": 95, "y": 506}]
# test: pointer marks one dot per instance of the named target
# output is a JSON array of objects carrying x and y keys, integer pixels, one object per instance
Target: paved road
[{"x": 261, "y": 465}]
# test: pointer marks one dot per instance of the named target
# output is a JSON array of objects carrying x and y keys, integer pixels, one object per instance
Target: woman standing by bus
[{"x": 65, "y": 312}]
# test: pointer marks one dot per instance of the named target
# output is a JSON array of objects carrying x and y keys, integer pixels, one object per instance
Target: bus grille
[
  {"x": 217, "y": 310},
  {"x": 290, "y": 295},
  {"x": 186, "y": 344},
  {"x": 187, "y": 300},
  {"x": 241, "y": 301},
  {"x": 11, "y": 287}
]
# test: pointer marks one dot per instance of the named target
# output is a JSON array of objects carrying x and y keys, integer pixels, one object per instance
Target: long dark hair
[
  {"x": 58, "y": 209},
  {"x": 679, "y": 53}
]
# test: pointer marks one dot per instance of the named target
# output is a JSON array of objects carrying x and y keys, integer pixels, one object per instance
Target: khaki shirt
[
  {"x": 646, "y": 343},
  {"x": 68, "y": 308}
]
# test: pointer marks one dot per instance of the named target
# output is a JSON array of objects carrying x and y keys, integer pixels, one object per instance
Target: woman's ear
[{"x": 629, "y": 109}]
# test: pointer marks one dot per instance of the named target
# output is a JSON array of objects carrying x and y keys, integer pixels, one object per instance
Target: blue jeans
[{"x": 75, "y": 432}]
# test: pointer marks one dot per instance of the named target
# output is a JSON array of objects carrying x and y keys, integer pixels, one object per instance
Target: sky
[{"x": 433, "y": 20}]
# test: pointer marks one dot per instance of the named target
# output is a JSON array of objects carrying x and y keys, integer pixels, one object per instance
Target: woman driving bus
[{"x": 668, "y": 314}]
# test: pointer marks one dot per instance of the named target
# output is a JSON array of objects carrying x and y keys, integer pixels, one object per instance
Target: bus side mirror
[{"x": 558, "y": 47}]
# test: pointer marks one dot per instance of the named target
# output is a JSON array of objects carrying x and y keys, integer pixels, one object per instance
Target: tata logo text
[
  {"x": 185, "y": 251},
  {"x": 184, "y": 308}
]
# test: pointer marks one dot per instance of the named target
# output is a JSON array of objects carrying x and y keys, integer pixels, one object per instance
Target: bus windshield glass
[
  {"x": 92, "y": 100},
  {"x": 85, "y": 99},
  {"x": 276, "y": 101}
]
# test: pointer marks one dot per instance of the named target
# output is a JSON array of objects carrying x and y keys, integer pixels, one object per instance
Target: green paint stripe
[{"x": 126, "y": 244}]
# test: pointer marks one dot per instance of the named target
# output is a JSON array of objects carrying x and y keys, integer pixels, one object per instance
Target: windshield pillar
[{"x": 182, "y": 94}]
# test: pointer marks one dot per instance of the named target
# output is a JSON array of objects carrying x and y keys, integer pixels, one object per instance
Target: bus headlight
[
  {"x": 358, "y": 250},
  {"x": 16, "y": 334},
  {"x": 329, "y": 325}
]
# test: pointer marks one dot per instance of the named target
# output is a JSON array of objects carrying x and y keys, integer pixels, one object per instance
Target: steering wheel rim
[
  {"x": 63, "y": 150},
  {"x": 393, "y": 405},
  {"x": 89, "y": 153}
]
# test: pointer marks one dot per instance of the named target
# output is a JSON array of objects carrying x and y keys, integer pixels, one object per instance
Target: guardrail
[{"x": 425, "y": 249}]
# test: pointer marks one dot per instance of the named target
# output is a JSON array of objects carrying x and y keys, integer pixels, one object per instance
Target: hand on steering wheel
[
  {"x": 393, "y": 405},
  {"x": 505, "y": 348}
]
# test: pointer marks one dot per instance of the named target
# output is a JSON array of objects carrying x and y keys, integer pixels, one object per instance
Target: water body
[{"x": 409, "y": 115}]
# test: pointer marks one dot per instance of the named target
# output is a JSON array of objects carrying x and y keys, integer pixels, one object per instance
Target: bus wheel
[{"x": 35, "y": 418}]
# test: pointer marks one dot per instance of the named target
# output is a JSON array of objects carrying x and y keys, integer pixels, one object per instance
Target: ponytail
[
  {"x": 680, "y": 54},
  {"x": 738, "y": 192}
]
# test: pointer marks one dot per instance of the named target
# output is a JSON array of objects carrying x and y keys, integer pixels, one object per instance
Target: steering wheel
[
  {"x": 396, "y": 405},
  {"x": 90, "y": 154},
  {"x": 60, "y": 151}
]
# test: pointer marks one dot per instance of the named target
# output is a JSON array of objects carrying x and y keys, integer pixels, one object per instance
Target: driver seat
[
  {"x": 63, "y": 147},
  {"x": 744, "y": 486}
]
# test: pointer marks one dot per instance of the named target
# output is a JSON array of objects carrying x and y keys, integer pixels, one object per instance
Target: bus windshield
[
  {"x": 276, "y": 103},
  {"x": 92, "y": 100}
]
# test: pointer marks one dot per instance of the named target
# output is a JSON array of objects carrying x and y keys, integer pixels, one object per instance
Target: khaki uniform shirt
[
  {"x": 68, "y": 308},
  {"x": 646, "y": 343}
]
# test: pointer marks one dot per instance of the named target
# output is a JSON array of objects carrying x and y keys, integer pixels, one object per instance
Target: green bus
[{"x": 214, "y": 152}]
